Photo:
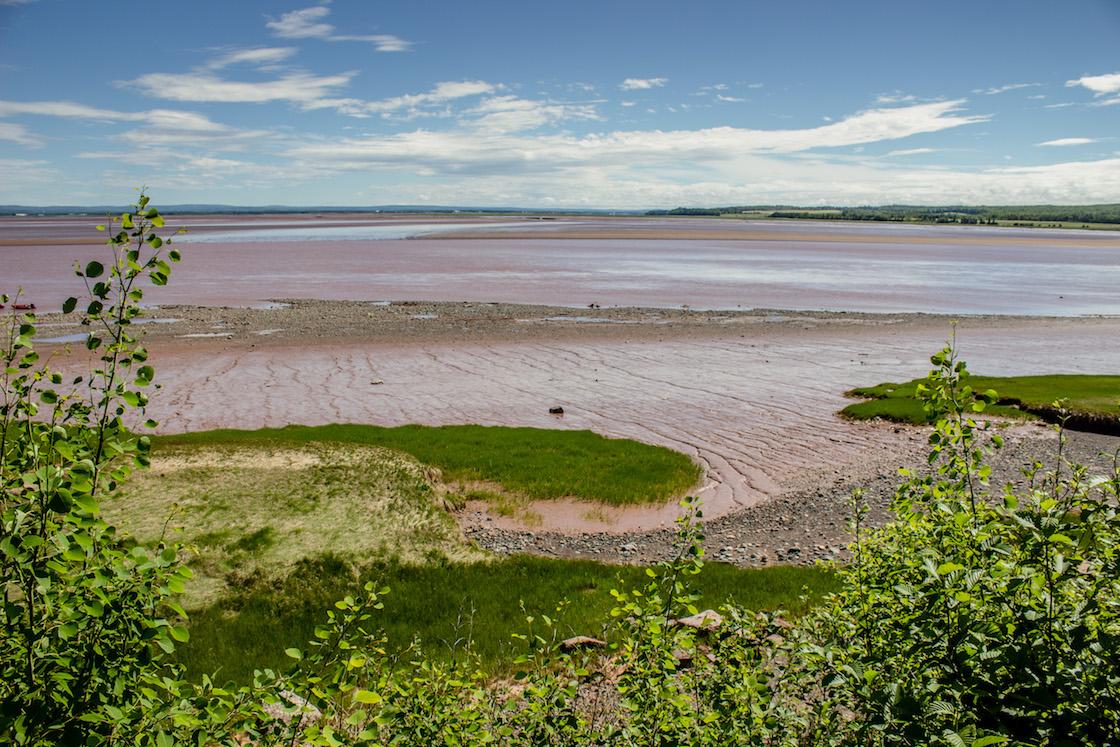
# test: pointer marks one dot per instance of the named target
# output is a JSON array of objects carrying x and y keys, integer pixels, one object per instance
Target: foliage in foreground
[
  {"x": 1087, "y": 401},
  {"x": 458, "y": 610},
  {"x": 980, "y": 617}
]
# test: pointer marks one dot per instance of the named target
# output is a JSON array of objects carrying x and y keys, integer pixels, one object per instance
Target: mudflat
[{"x": 751, "y": 395}]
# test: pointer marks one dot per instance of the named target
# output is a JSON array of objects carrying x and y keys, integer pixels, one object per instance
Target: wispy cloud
[
  {"x": 486, "y": 151},
  {"x": 1069, "y": 141},
  {"x": 502, "y": 114},
  {"x": 413, "y": 105},
  {"x": 18, "y": 134},
  {"x": 1003, "y": 89},
  {"x": 911, "y": 152},
  {"x": 64, "y": 109},
  {"x": 895, "y": 97},
  {"x": 634, "y": 84},
  {"x": 203, "y": 86},
  {"x": 259, "y": 56},
  {"x": 308, "y": 24}
]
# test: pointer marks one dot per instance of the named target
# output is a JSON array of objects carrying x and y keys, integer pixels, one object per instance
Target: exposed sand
[{"x": 751, "y": 395}]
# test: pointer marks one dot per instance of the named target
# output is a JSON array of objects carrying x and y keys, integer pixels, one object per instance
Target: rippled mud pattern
[{"x": 752, "y": 396}]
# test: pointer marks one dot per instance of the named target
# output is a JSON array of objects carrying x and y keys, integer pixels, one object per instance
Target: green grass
[
  {"x": 540, "y": 464},
  {"x": 445, "y": 604},
  {"x": 1087, "y": 397}
]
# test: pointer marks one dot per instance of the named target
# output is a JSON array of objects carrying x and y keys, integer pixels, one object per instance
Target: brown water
[
  {"x": 643, "y": 262},
  {"x": 757, "y": 411}
]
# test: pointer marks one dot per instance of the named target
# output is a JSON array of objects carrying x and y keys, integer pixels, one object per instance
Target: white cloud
[
  {"x": 513, "y": 114},
  {"x": 498, "y": 151},
  {"x": 201, "y": 86},
  {"x": 633, "y": 84},
  {"x": 307, "y": 24},
  {"x": 260, "y": 56},
  {"x": 302, "y": 24},
  {"x": 911, "y": 152},
  {"x": 18, "y": 134},
  {"x": 1069, "y": 141},
  {"x": 897, "y": 97},
  {"x": 63, "y": 109},
  {"x": 1098, "y": 84},
  {"x": 413, "y": 103},
  {"x": 1003, "y": 89}
]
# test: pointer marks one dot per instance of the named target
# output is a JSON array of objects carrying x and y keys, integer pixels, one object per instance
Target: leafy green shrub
[
  {"x": 981, "y": 616},
  {"x": 88, "y": 615}
]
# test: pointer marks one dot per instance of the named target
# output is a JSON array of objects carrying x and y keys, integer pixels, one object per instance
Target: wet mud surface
[{"x": 751, "y": 396}]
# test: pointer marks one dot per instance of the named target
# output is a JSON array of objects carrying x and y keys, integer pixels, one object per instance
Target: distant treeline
[{"x": 975, "y": 215}]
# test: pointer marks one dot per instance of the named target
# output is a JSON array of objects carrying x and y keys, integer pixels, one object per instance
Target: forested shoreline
[{"x": 1064, "y": 216}]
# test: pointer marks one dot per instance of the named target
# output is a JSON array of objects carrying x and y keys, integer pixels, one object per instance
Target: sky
[{"x": 611, "y": 104}]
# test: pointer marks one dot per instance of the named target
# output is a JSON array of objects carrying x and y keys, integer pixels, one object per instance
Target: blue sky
[{"x": 606, "y": 104}]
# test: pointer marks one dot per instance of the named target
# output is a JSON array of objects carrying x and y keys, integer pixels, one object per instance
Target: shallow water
[
  {"x": 758, "y": 411},
  {"x": 242, "y": 261}
]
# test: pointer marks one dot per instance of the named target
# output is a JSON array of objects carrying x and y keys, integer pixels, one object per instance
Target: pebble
[{"x": 762, "y": 535}]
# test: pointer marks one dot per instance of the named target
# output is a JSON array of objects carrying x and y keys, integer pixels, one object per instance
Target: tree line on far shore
[{"x": 961, "y": 214}]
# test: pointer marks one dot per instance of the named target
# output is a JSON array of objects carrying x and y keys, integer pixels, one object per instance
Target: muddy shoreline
[{"x": 750, "y": 394}]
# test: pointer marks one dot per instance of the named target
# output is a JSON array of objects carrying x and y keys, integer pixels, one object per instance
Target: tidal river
[
  {"x": 704, "y": 264},
  {"x": 755, "y": 406}
]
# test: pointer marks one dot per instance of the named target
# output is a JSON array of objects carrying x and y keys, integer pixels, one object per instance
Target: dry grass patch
[{"x": 253, "y": 510}]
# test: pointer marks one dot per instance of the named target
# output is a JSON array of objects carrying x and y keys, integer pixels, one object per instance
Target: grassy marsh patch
[
  {"x": 537, "y": 463},
  {"x": 1090, "y": 399}
]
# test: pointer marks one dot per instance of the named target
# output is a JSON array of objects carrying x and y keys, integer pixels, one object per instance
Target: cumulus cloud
[
  {"x": 1069, "y": 141},
  {"x": 307, "y": 24},
  {"x": 634, "y": 84},
  {"x": 1098, "y": 84},
  {"x": 302, "y": 24}
]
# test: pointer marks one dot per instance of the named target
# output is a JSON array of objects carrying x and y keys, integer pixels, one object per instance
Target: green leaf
[
  {"x": 294, "y": 653},
  {"x": 94, "y": 270},
  {"x": 990, "y": 740},
  {"x": 367, "y": 696},
  {"x": 69, "y": 304}
]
